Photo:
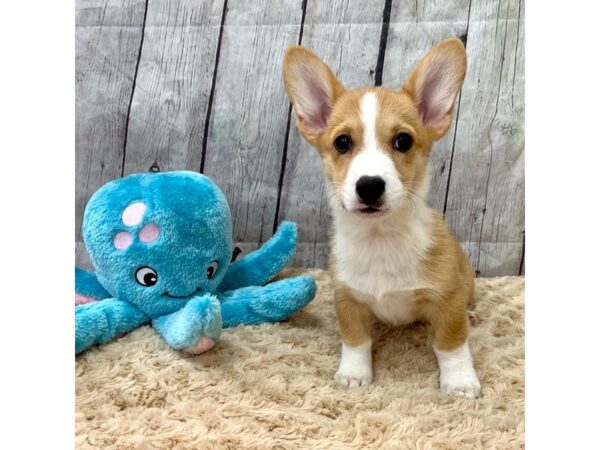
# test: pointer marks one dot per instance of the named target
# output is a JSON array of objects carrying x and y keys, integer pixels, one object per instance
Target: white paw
[
  {"x": 460, "y": 383},
  {"x": 355, "y": 366},
  {"x": 354, "y": 378},
  {"x": 457, "y": 375}
]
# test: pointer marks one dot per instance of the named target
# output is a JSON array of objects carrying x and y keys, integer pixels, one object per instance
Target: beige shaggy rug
[{"x": 271, "y": 387}]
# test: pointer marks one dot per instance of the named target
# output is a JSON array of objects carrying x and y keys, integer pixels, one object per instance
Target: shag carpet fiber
[{"x": 271, "y": 386}]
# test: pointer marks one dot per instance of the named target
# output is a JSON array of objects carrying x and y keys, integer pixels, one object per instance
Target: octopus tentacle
[
  {"x": 276, "y": 301},
  {"x": 262, "y": 265},
  {"x": 183, "y": 329},
  {"x": 100, "y": 322}
]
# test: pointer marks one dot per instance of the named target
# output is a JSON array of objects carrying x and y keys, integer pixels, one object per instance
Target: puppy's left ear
[{"x": 435, "y": 82}]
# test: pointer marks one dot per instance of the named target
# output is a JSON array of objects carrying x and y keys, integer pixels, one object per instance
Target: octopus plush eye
[
  {"x": 146, "y": 276},
  {"x": 212, "y": 269}
]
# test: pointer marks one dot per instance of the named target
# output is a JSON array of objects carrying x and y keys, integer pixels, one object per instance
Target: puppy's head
[{"x": 374, "y": 142}]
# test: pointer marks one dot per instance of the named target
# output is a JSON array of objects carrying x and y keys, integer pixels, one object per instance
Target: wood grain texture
[
  {"x": 145, "y": 77},
  {"x": 170, "y": 101},
  {"x": 485, "y": 207},
  {"x": 503, "y": 227},
  {"x": 350, "y": 48},
  {"x": 107, "y": 42},
  {"x": 249, "y": 112}
]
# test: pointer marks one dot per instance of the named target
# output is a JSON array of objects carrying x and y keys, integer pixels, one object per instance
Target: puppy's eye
[
  {"x": 402, "y": 142},
  {"x": 212, "y": 269},
  {"x": 343, "y": 143},
  {"x": 146, "y": 276}
]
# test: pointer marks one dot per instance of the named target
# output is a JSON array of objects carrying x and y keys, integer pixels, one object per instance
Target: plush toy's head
[{"x": 158, "y": 239}]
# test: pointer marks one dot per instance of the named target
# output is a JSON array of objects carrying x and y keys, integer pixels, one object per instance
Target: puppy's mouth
[
  {"x": 372, "y": 211},
  {"x": 181, "y": 297},
  {"x": 369, "y": 210},
  {"x": 377, "y": 210}
]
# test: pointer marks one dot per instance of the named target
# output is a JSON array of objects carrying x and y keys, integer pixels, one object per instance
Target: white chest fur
[{"x": 381, "y": 260}]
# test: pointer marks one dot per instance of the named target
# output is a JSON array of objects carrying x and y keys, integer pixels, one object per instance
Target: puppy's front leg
[
  {"x": 355, "y": 320},
  {"x": 450, "y": 344}
]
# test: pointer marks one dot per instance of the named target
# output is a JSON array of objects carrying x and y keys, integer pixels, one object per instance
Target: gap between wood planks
[
  {"x": 135, "y": 74},
  {"x": 212, "y": 88},
  {"x": 287, "y": 132},
  {"x": 465, "y": 39}
]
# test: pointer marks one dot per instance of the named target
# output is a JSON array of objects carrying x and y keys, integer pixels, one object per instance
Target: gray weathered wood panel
[
  {"x": 503, "y": 229},
  {"x": 173, "y": 84},
  {"x": 247, "y": 131},
  {"x": 351, "y": 50},
  {"x": 107, "y": 44},
  {"x": 147, "y": 95},
  {"x": 485, "y": 195}
]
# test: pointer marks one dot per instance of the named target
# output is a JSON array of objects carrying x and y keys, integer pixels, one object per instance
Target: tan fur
[
  {"x": 445, "y": 305},
  {"x": 354, "y": 319},
  {"x": 445, "y": 269}
]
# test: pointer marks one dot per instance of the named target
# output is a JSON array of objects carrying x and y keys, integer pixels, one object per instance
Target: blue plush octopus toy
[{"x": 161, "y": 245}]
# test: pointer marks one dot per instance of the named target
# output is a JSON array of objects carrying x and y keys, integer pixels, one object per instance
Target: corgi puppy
[{"x": 392, "y": 257}]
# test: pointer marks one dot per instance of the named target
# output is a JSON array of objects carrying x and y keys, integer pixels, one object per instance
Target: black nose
[{"x": 370, "y": 189}]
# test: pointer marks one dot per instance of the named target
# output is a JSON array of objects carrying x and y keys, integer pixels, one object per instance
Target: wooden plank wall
[{"x": 187, "y": 84}]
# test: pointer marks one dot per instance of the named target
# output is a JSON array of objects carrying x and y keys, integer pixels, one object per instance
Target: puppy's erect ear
[
  {"x": 312, "y": 89},
  {"x": 435, "y": 82}
]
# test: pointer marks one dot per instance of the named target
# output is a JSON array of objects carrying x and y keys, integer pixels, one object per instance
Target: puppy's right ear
[{"x": 312, "y": 88}]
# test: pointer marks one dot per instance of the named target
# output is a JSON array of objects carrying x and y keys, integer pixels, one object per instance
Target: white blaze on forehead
[
  {"x": 368, "y": 116},
  {"x": 370, "y": 160}
]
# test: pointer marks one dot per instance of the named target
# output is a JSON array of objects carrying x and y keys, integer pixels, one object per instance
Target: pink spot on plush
[
  {"x": 123, "y": 240},
  {"x": 204, "y": 344},
  {"x": 132, "y": 215},
  {"x": 82, "y": 299},
  {"x": 149, "y": 233}
]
